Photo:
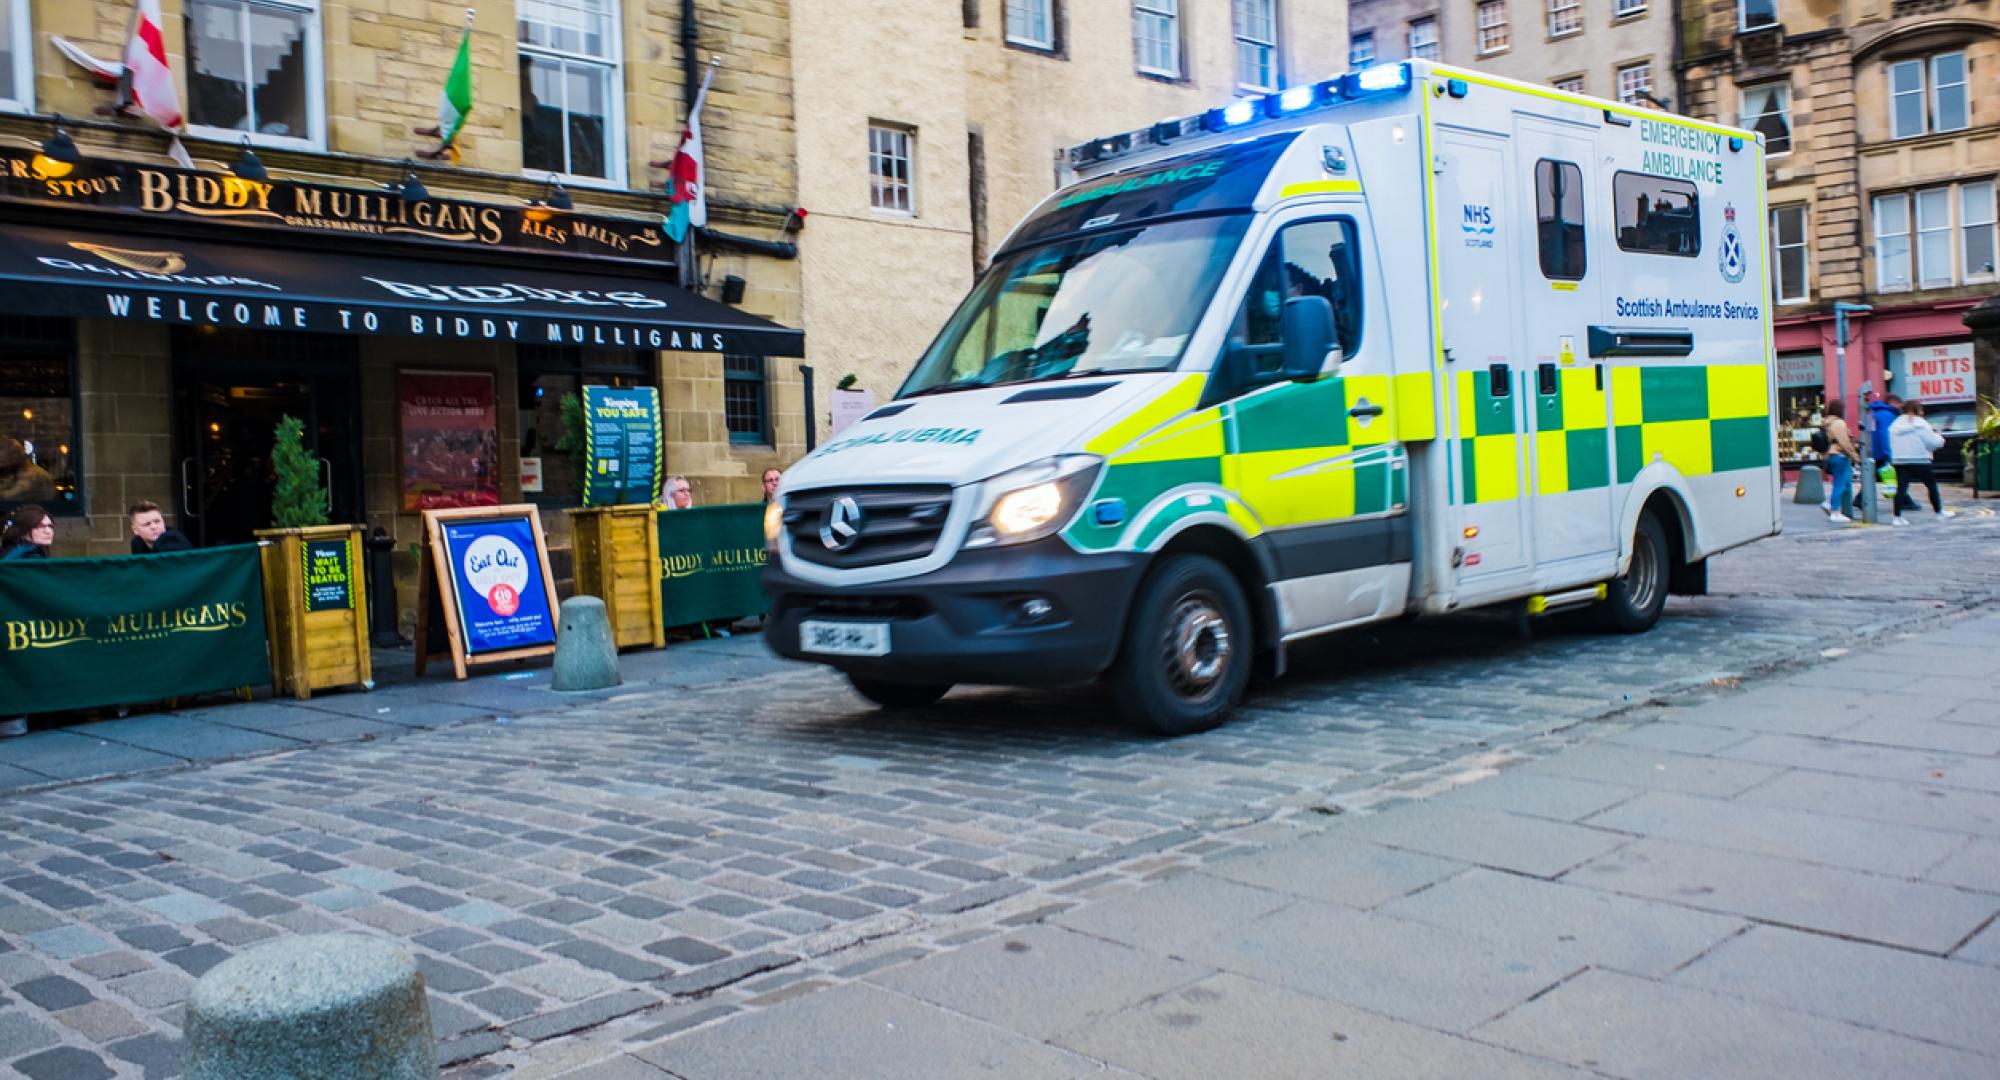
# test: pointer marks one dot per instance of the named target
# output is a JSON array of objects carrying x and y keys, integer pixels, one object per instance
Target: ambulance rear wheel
[
  {"x": 1636, "y": 597},
  {"x": 891, "y": 695},
  {"x": 1187, "y": 652}
]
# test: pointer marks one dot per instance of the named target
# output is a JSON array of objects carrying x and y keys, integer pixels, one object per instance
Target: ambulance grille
[{"x": 897, "y": 524}]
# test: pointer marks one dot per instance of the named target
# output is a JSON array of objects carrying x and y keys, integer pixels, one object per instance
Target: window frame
[
  {"x": 1745, "y": 120},
  {"x": 1934, "y": 89},
  {"x": 1169, "y": 13},
  {"x": 1969, "y": 276},
  {"x": 61, "y": 335},
  {"x": 1621, "y": 10},
  {"x": 315, "y": 77},
  {"x": 1779, "y": 295},
  {"x": 1559, "y": 8},
  {"x": 20, "y": 32},
  {"x": 1358, "y": 62},
  {"x": 1542, "y": 249},
  {"x": 908, "y": 136},
  {"x": 1920, "y": 231},
  {"x": 587, "y": 365},
  {"x": 1562, "y": 83},
  {"x": 1743, "y": 16},
  {"x": 1233, "y": 384},
  {"x": 764, "y": 435},
  {"x": 1908, "y": 236},
  {"x": 1618, "y": 200},
  {"x": 1921, "y": 92},
  {"x": 1435, "y": 44},
  {"x": 1618, "y": 83},
  {"x": 1273, "y": 54},
  {"x": 1048, "y": 13},
  {"x": 1480, "y": 9},
  {"x": 614, "y": 114}
]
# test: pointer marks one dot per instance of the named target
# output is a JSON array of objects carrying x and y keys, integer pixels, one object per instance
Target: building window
[
  {"x": 1625, "y": 9},
  {"x": 549, "y": 373},
  {"x": 1916, "y": 109},
  {"x": 1934, "y": 238},
  {"x": 1031, "y": 23},
  {"x": 1565, "y": 17},
  {"x": 253, "y": 69},
  {"x": 1257, "y": 44},
  {"x": 1424, "y": 39},
  {"x": 1559, "y": 219},
  {"x": 1753, "y": 14},
  {"x": 1156, "y": 35},
  {"x": 1892, "y": 242},
  {"x": 1635, "y": 83},
  {"x": 17, "y": 52},
  {"x": 572, "y": 95},
  {"x": 38, "y": 434},
  {"x": 1570, "y": 84},
  {"x": 1767, "y": 110},
  {"x": 746, "y": 399},
  {"x": 1657, "y": 216},
  {"x": 891, "y": 181},
  {"x": 1976, "y": 218},
  {"x": 1361, "y": 49},
  {"x": 1788, "y": 255},
  {"x": 1492, "y": 18}
]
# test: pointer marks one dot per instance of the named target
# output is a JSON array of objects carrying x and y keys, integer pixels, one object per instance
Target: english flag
[
  {"x": 686, "y": 197},
  {"x": 149, "y": 81}
]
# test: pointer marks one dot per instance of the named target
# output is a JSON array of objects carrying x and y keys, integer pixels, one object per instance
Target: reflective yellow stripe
[
  {"x": 1416, "y": 406},
  {"x": 1552, "y": 94},
  {"x": 1430, "y": 226},
  {"x": 1627, "y": 408},
  {"x": 1320, "y": 187},
  {"x": 1684, "y": 444},
  {"x": 1737, "y": 390},
  {"x": 1172, "y": 402}
]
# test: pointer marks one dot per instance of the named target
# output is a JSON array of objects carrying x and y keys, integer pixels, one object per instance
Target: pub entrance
[{"x": 230, "y": 389}]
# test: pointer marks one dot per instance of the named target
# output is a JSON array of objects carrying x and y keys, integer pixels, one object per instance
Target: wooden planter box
[
  {"x": 316, "y": 609},
  {"x": 617, "y": 554}
]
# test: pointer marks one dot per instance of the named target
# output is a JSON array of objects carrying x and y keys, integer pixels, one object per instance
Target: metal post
[
  {"x": 1869, "y": 512},
  {"x": 812, "y": 408}
]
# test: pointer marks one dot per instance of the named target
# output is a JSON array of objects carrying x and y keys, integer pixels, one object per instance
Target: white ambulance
[{"x": 1411, "y": 340}]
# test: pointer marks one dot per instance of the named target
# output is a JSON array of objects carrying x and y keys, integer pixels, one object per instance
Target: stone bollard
[
  {"x": 586, "y": 657},
  {"x": 323, "y": 1005},
  {"x": 1812, "y": 486}
]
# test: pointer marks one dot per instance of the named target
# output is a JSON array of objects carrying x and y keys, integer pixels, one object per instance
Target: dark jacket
[
  {"x": 24, "y": 551},
  {"x": 1881, "y": 414},
  {"x": 171, "y": 540}
]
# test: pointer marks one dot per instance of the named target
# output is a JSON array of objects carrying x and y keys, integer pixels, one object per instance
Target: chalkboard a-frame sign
[{"x": 485, "y": 575}]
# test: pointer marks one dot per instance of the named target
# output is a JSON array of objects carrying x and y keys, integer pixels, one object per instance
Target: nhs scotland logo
[{"x": 1476, "y": 222}]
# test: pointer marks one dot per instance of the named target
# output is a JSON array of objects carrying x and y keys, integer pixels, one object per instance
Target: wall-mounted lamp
[
  {"x": 248, "y": 167},
  {"x": 413, "y": 189},
  {"x": 732, "y": 289},
  {"x": 59, "y": 154}
]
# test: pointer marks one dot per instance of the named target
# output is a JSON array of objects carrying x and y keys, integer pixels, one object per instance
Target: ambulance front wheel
[
  {"x": 1187, "y": 651},
  {"x": 1635, "y": 598},
  {"x": 891, "y": 695}
]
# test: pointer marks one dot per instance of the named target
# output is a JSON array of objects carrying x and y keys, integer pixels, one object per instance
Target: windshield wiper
[{"x": 945, "y": 388}]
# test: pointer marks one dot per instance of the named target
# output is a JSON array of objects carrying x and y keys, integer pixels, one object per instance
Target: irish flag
[
  {"x": 687, "y": 202},
  {"x": 457, "y": 99}
]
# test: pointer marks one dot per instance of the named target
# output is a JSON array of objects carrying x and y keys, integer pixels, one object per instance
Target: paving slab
[
  {"x": 1041, "y": 981},
  {"x": 73, "y": 755},
  {"x": 1798, "y": 700},
  {"x": 194, "y": 740},
  {"x": 1183, "y": 908},
  {"x": 1437, "y": 978},
  {"x": 1896, "y": 850},
  {"x": 1982, "y": 949},
  {"x": 1578, "y": 926},
  {"x": 1975, "y": 866},
  {"x": 1660, "y": 770},
  {"x": 1922, "y": 804},
  {"x": 1230, "y": 1026},
  {"x": 1944, "y": 735},
  {"x": 1866, "y": 907},
  {"x": 1504, "y": 841},
  {"x": 1945, "y": 1001},
  {"x": 1627, "y": 1026},
  {"x": 1518, "y": 791},
  {"x": 859, "y": 1032},
  {"x": 1863, "y": 759},
  {"x": 1335, "y": 869}
]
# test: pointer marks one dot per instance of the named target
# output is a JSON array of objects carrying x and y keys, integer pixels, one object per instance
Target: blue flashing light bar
[{"x": 1373, "y": 80}]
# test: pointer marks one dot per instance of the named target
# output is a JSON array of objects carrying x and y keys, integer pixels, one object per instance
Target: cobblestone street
[{"x": 589, "y": 882}]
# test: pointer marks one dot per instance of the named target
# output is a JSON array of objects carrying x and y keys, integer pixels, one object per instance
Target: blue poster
[{"x": 496, "y": 568}]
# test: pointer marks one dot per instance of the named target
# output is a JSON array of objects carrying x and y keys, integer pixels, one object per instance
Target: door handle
[
  {"x": 1545, "y": 380},
  {"x": 187, "y": 488},
  {"x": 1366, "y": 408},
  {"x": 1600, "y": 378},
  {"x": 1499, "y": 384}
]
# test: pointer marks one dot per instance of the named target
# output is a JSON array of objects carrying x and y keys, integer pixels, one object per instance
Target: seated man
[{"x": 150, "y": 534}]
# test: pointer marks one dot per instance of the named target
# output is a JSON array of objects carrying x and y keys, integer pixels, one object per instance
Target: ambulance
[{"x": 1408, "y": 341}]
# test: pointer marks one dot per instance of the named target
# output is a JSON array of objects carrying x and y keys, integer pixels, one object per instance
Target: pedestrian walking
[
  {"x": 1841, "y": 457},
  {"x": 1912, "y": 441},
  {"x": 150, "y": 533},
  {"x": 28, "y": 534},
  {"x": 1882, "y": 415}
]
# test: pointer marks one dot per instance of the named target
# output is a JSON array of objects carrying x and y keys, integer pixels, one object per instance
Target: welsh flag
[
  {"x": 688, "y": 202},
  {"x": 457, "y": 99}
]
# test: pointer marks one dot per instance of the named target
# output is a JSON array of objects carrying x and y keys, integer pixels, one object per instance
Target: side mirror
[{"x": 1308, "y": 329}]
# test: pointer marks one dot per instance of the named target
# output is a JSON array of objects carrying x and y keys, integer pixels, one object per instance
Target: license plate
[{"x": 844, "y": 638}]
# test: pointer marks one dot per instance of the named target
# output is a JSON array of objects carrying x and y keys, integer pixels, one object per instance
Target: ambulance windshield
[{"x": 1113, "y": 301}]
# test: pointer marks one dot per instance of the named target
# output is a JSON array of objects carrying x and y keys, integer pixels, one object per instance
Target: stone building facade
[
  {"x": 1885, "y": 193},
  {"x": 1617, "y": 49}
]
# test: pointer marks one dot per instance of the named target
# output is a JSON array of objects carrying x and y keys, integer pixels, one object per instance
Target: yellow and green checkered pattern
[{"x": 1700, "y": 420}]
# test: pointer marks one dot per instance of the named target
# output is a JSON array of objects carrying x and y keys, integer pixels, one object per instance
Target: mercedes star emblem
[{"x": 841, "y": 526}]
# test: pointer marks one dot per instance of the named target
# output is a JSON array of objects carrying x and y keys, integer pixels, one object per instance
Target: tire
[
  {"x": 1635, "y": 598},
  {"x": 1188, "y": 648},
  {"x": 891, "y": 695}
]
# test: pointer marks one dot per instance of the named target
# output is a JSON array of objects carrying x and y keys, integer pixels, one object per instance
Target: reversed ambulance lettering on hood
[
  {"x": 1170, "y": 176},
  {"x": 952, "y": 436}
]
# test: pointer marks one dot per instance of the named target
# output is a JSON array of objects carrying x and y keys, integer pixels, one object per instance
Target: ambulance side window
[
  {"x": 1657, "y": 216},
  {"x": 1559, "y": 219},
  {"x": 1309, "y": 258}
]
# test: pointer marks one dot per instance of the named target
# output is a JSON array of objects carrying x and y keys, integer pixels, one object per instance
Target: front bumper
[{"x": 963, "y": 622}]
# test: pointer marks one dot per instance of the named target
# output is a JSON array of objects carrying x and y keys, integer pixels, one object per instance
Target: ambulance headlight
[{"x": 1034, "y": 500}]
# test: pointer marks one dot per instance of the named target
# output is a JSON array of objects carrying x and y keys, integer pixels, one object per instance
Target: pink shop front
[{"x": 1917, "y": 350}]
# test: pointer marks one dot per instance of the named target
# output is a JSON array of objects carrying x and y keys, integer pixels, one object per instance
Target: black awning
[{"x": 96, "y": 275}]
